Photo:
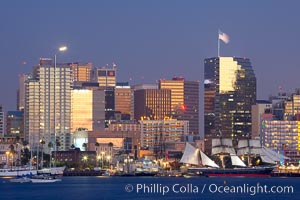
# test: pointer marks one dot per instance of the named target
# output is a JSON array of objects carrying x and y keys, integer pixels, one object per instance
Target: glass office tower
[{"x": 229, "y": 92}]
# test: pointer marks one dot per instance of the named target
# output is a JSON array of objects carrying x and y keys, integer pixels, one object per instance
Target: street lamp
[
  {"x": 42, "y": 141},
  {"x": 102, "y": 154},
  {"x": 85, "y": 158},
  {"x": 60, "y": 49},
  {"x": 7, "y": 153},
  {"x": 98, "y": 158},
  {"x": 108, "y": 159}
]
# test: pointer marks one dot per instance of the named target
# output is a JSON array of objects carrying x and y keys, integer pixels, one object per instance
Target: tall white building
[{"x": 48, "y": 105}]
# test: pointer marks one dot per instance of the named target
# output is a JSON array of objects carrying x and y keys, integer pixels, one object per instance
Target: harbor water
[{"x": 73, "y": 188}]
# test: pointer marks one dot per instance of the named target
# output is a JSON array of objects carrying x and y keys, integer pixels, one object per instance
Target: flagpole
[{"x": 218, "y": 43}]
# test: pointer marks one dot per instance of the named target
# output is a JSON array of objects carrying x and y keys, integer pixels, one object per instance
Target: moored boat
[
  {"x": 23, "y": 179},
  {"x": 52, "y": 171},
  {"x": 44, "y": 179}
]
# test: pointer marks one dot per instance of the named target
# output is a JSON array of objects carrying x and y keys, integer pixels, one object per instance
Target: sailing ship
[
  {"x": 251, "y": 148},
  {"x": 223, "y": 148}
]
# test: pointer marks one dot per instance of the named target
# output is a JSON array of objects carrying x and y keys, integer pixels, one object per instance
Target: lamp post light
[
  {"x": 98, "y": 158},
  {"x": 7, "y": 153},
  {"x": 108, "y": 160},
  {"x": 85, "y": 158},
  {"x": 102, "y": 154}
]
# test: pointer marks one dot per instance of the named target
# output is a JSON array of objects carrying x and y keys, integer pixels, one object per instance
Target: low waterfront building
[
  {"x": 155, "y": 133},
  {"x": 74, "y": 156}
]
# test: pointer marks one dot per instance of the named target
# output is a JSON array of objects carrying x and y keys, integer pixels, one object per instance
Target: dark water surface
[{"x": 94, "y": 188}]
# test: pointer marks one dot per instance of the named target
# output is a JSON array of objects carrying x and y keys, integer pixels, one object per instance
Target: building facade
[
  {"x": 21, "y": 91},
  {"x": 123, "y": 100},
  {"x": 87, "y": 109},
  {"x": 156, "y": 133},
  {"x": 229, "y": 93},
  {"x": 260, "y": 111},
  {"x": 292, "y": 106},
  {"x": 153, "y": 104},
  {"x": 48, "y": 105},
  {"x": 105, "y": 77},
  {"x": 81, "y": 72},
  {"x": 282, "y": 136},
  {"x": 184, "y": 101},
  {"x": 15, "y": 123}
]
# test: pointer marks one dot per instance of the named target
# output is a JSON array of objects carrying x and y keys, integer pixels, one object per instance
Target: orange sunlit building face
[
  {"x": 87, "y": 109},
  {"x": 82, "y": 109},
  {"x": 81, "y": 71},
  {"x": 153, "y": 104},
  {"x": 105, "y": 77},
  {"x": 184, "y": 100},
  {"x": 123, "y": 99}
]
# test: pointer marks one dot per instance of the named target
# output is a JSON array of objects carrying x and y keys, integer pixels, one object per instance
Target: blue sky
[{"x": 149, "y": 40}]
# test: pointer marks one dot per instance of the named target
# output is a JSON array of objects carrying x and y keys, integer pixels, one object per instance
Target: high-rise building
[
  {"x": 105, "y": 77},
  {"x": 107, "y": 81},
  {"x": 184, "y": 100},
  {"x": 87, "y": 110},
  {"x": 81, "y": 72},
  {"x": 15, "y": 123},
  {"x": 260, "y": 111},
  {"x": 229, "y": 93},
  {"x": 278, "y": 105},
  {"x": 292, "y": 106},
  {"x": 21, "y": 92},
  {"x": 153, "y": 104},
  {"x": 1, "y": 121},
  {"x": 48, "y": 105},
  {"x": 123, "y": 99}
]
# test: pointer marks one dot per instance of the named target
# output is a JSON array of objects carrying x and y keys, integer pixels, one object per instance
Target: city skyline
[{"x": 172, "y": 36}]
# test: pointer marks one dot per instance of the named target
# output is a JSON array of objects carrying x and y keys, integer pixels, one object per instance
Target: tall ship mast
[{"x": 222, "y": 147}]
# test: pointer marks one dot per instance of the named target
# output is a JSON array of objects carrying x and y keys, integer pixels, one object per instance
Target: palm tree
[
  {"x": 12, "y": 152},
  {"x": 84, "y": 145},
  {"x": 25, "y": 153},
  {"x": 57, "y": 144},
  {"x": 42, "y": 141},
  {"x": 97, "y": 145},
  {"x": 18, "y": 148},
  {"x": 110, "y": 145},
  {"x": 50, "y": 146}
]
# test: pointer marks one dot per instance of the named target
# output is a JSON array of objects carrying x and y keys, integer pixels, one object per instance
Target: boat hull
[
  {"x": 53, "y": 171},
  {"x": 20, "y": 180},
  {"x": 44, "y": 181},
  {"x": 13, "y": 173},
  {"x": 236, "y": 172}
]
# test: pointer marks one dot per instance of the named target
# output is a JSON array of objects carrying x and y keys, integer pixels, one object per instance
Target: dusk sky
[{"x": 150, "y": 40}]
